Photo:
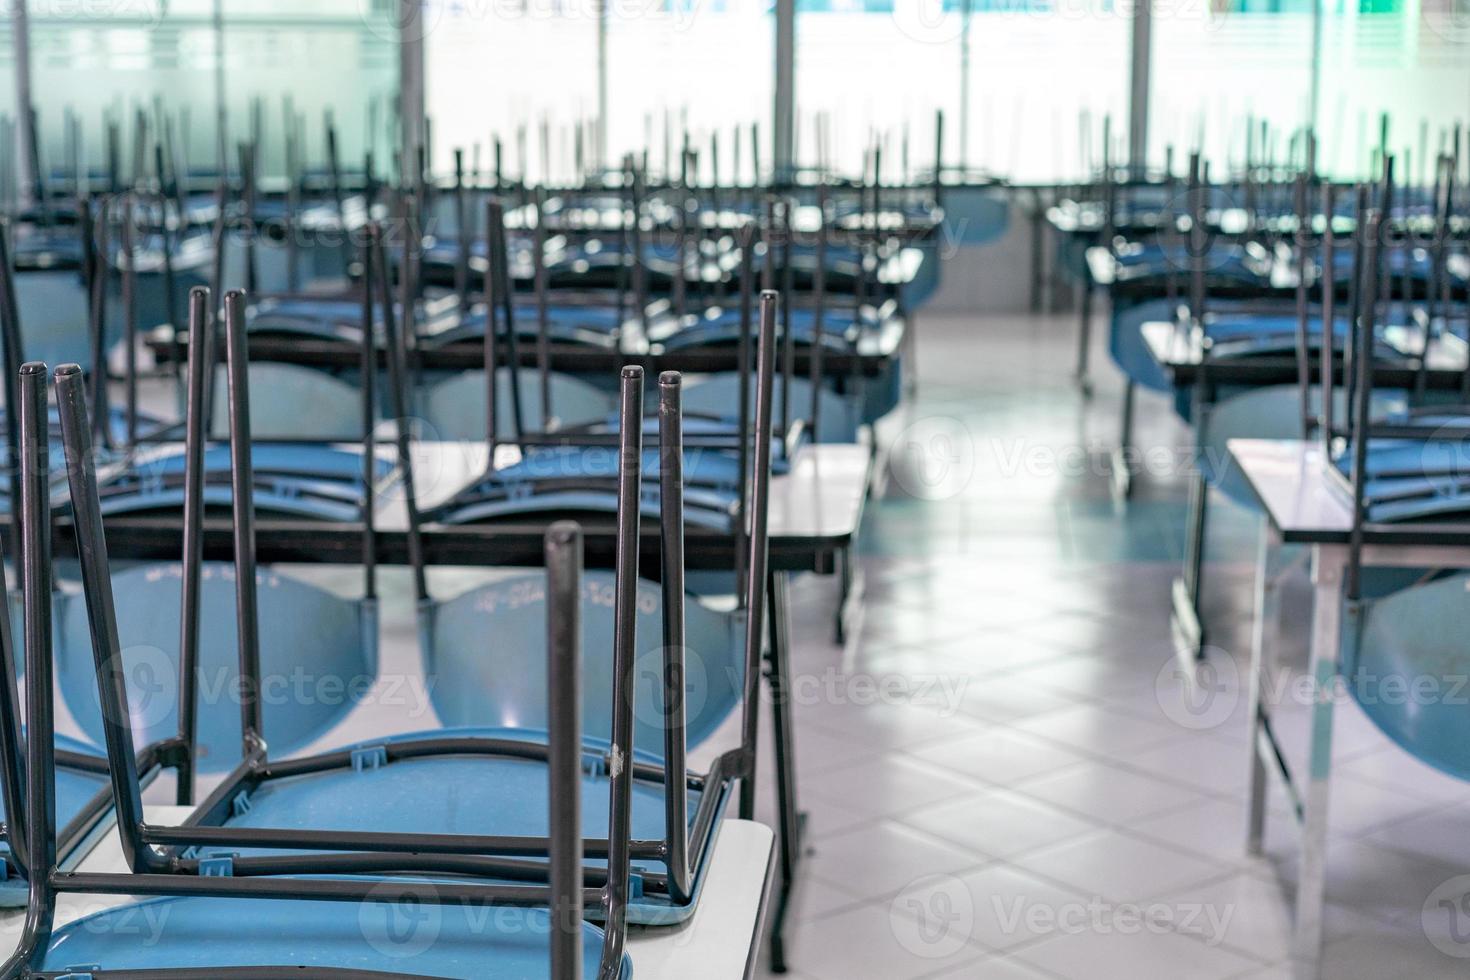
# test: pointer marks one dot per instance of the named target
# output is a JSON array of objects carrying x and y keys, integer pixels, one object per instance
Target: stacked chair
[{"x": 294, "y": 839}]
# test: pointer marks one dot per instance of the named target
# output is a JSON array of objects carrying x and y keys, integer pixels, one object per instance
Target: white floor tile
[{"x": 1117, "y": 866}]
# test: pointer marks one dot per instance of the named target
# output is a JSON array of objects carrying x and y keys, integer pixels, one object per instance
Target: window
[
  {"x": 161, "y": 61},
  {"x": 520, "y": 71}
]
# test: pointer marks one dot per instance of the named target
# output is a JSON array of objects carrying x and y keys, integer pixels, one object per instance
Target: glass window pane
[
  {"x": 524, "y": 71},
  {"x": 112, "y": 62},
  {"x": 1217, "y": 71},
  {"x": 1044, "y": 74},
  {"x": 878, "y": 70},
  {"x": 702, "y": 65},
  {"x": 1410, "y": 60}
]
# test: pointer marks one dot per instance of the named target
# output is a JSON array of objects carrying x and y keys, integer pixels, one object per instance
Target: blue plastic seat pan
[
  {"x": 58, "y": 459},
  {"x": 451, "y": 941},
  {"x": 337, "y": 317},
  {"x": 75, "y": 788},
  {"x": 722, "y": 326},
  {"x": 1139, "y": 260},
  {"x": 1419, "y": 264},
  {"x": 318, "y": 657},
  {"x": 582, "y": 479},
  {"x": 328, "y": 317},
  {"x": 306, "y": 214},
  {"x": 566, "y": 323},
  {"x": 462, "y": 794},
  {"x": 712, "y": 466},
  {"x": 318, "y": 482},
  {"x": 192, "y": 251},
  {"x": 1413, "y": 480}
]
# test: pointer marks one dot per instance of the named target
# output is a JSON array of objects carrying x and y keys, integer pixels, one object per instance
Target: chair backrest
[
  {"x": 304, "y": 403},
  {"x": 475, "y": 683},
  {"x": 1412, "y": 641},
  {"x": 318, "y": 657},
  {"x": 838, "y": 418},
  {"x": 472, "y": 688},
  {"x": 563, "y": 895},
  {"x": 573, "y": 403}
]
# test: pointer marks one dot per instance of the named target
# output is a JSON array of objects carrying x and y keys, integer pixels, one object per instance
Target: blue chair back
[
  {"x": 719, "y": 395},
  {"x": 455, "y": 408},
  {"x": 1406, "y": 660},
  {"x": 296, "y": 402},
  {"x": 485, "y": 659},
  {"x": 318, "y": 656}
]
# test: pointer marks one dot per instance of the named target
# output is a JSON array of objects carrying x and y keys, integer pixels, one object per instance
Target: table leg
[
  {"x": 1326, "y": 640},
  {"x": 1038, "y": 224},
  {"x": 1263, "y": 662},
  {"x": 910, "y": 354},
  {"x": 791, "y": 822},
  {"x": 1123, "y": 455},
  {"x": 844, "y": 596},
  {"x": 1188, "y": 623},
  {"x": 1084, "y": 334}
]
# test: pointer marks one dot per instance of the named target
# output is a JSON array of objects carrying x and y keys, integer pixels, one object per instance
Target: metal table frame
[{"x": 1303, "y": 508}]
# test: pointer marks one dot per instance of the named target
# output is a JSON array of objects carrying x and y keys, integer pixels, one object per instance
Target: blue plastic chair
[
  {"x": 487, "y": 689},
  {"x": 255, "y": 926}
]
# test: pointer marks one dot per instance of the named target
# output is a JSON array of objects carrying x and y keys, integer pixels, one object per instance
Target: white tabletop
[
  {"x": 1289, "y": 478},
  {"x": 716, "y": 943},
  {"x": 1306, "y": 504},
  {"x": 820, "y": 496}
]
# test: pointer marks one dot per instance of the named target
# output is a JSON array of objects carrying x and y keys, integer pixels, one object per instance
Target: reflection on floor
[{"x": 1003, "y": 775}]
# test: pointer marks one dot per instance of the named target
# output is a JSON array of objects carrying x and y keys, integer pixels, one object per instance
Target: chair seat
[
  {"x": 304, "y": 480},
  {"x": 441, "y": 941},
  {"x": 462, "y": 794},
  {"x": 318, "y": 658},
  {"x": 583, "y": 479},
  {"x": 566, "y": 323},
  {"x": 722, "y": 327},
  {"x": 1415, "y": 480},
  {"x": 1138, "y": 260}
]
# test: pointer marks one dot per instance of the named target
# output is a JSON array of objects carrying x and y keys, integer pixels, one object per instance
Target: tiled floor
[{"x": 1031, "y": 797}]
